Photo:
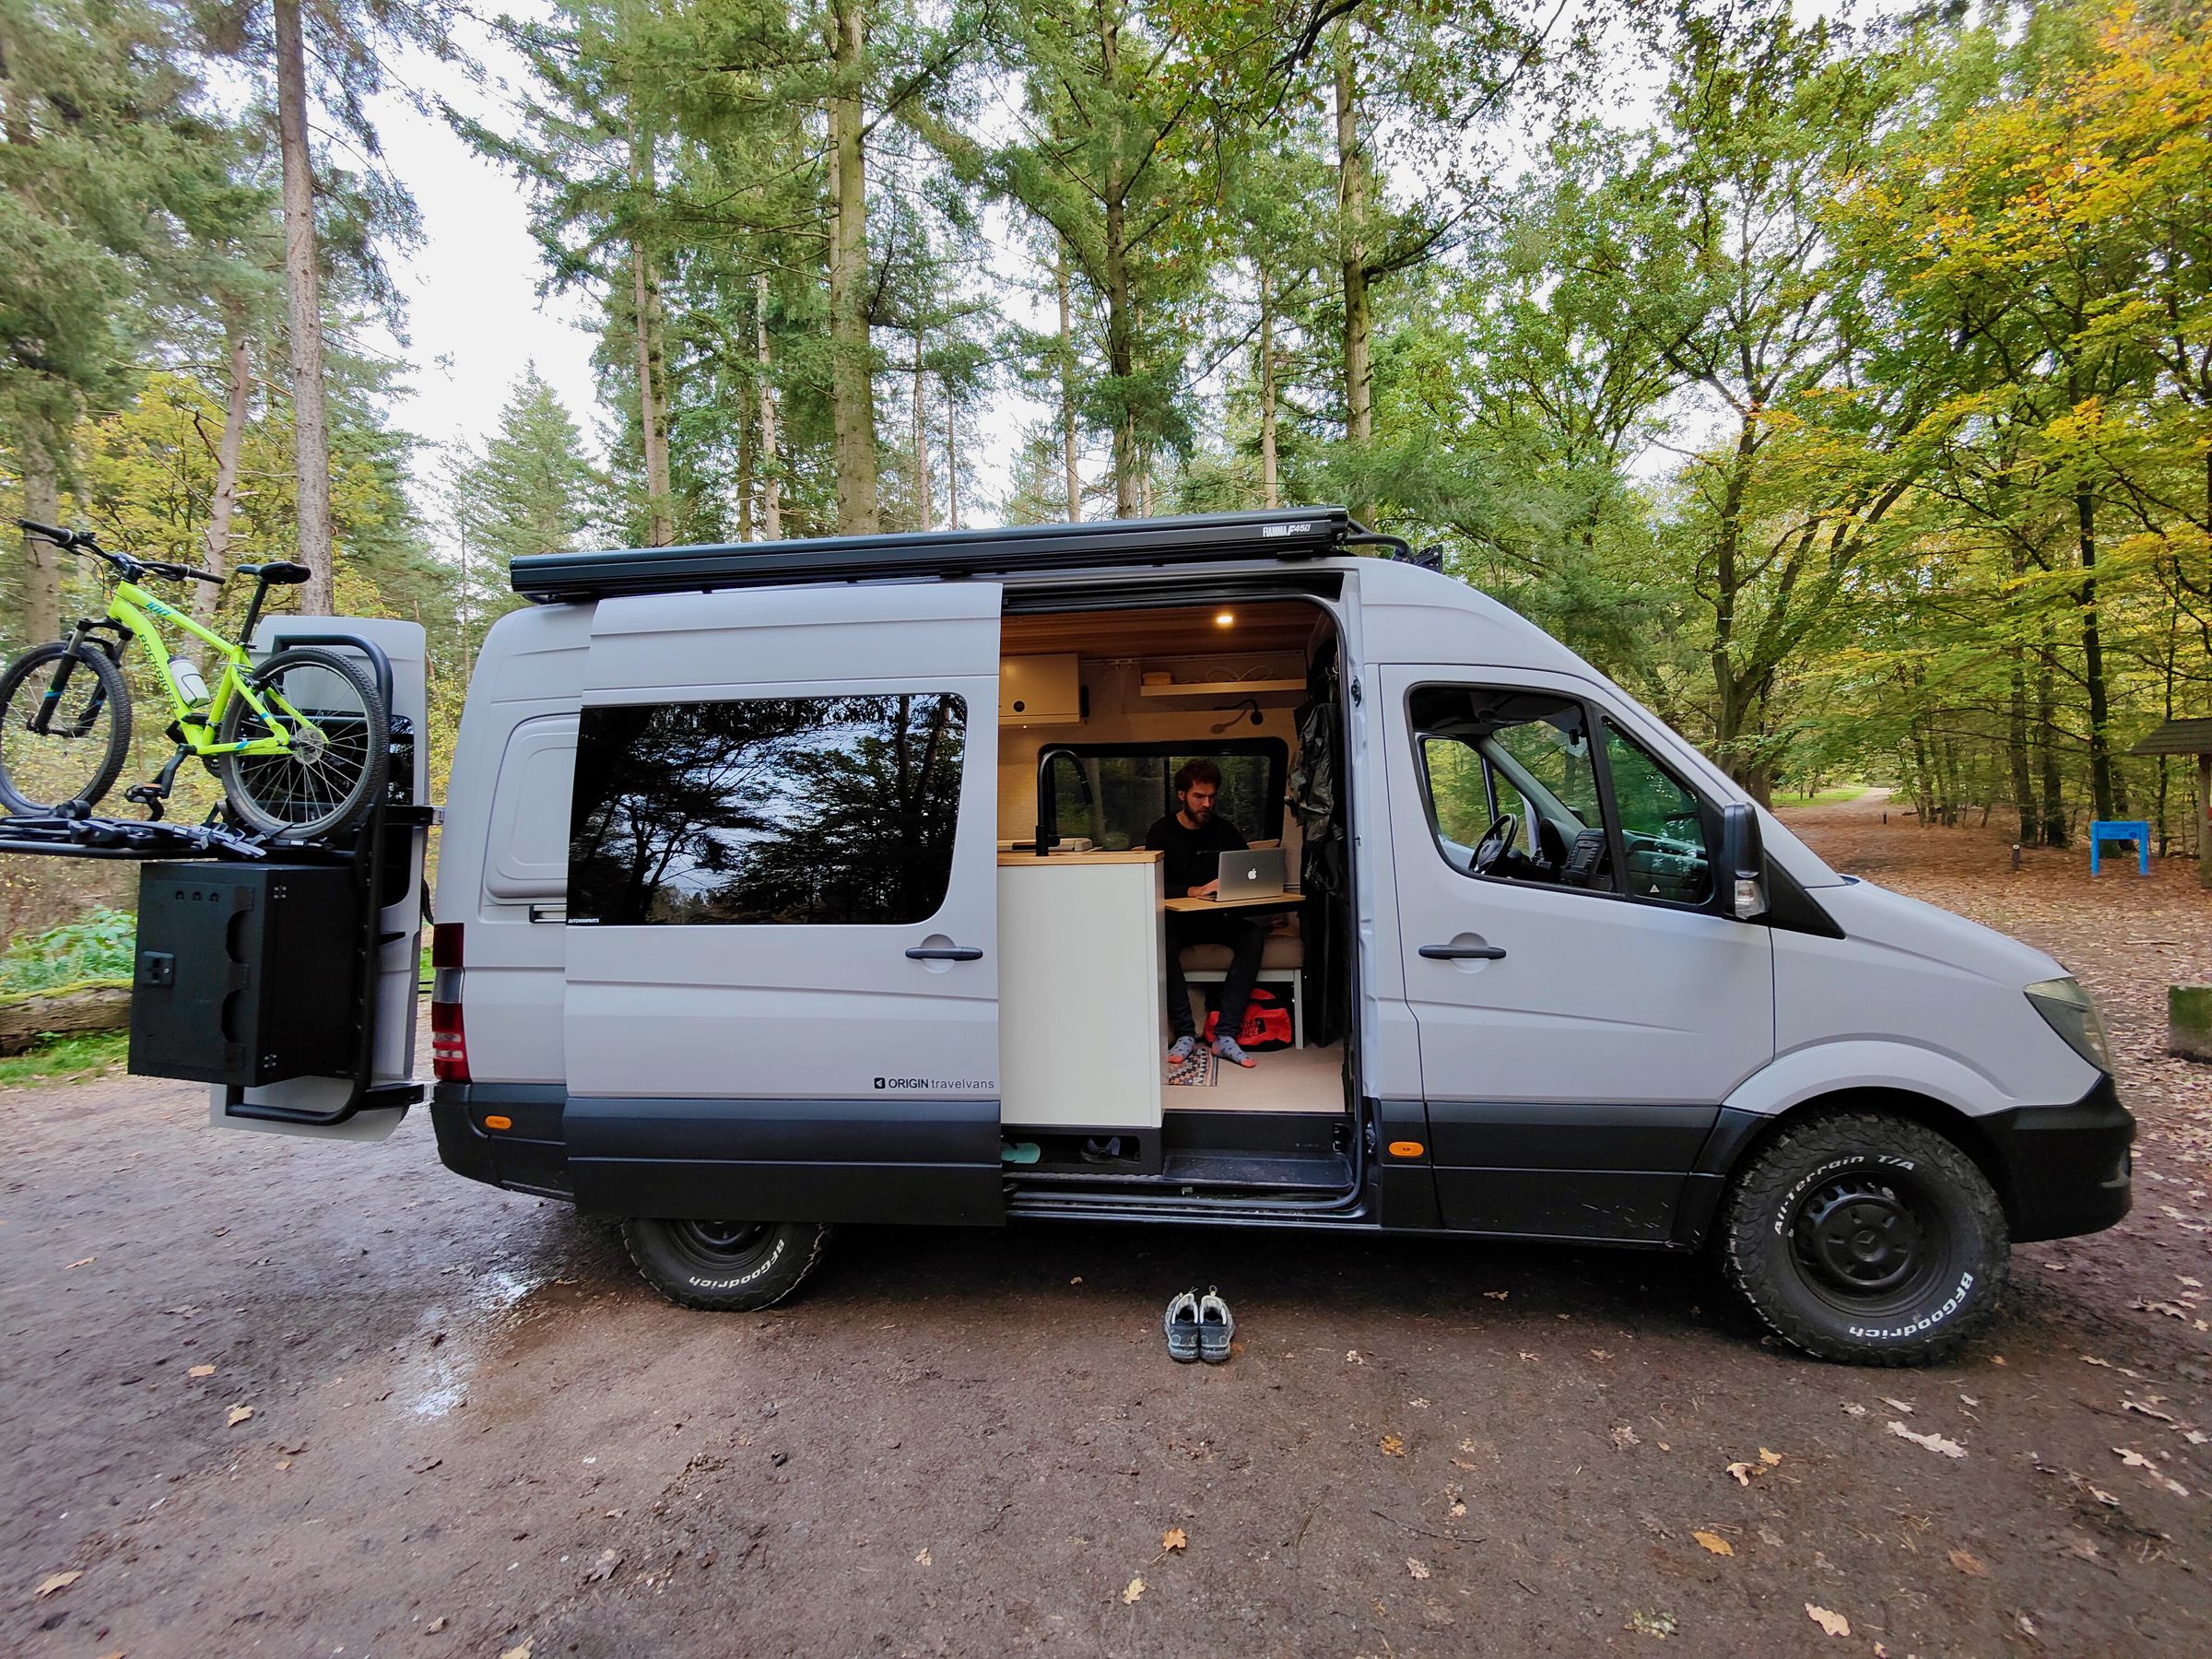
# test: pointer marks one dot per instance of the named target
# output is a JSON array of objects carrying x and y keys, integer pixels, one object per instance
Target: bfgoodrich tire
[
  {"x": 1866, "y": 1237},
  {"x": 725, "y": 1266}
]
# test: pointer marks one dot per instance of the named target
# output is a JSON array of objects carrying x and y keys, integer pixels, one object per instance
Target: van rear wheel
[
  {"x": 725, "y": 1266},
  {"x": 1866, "y": 1238}
]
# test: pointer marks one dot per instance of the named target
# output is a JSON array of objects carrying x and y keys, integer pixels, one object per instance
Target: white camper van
[{"x": 795, "y": 884}]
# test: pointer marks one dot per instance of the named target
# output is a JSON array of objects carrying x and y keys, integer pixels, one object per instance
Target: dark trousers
[{"x": 1245, "y": 937}]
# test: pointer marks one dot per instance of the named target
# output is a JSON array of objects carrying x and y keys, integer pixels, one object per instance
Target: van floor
[{"x": 1291, "y": 1079}]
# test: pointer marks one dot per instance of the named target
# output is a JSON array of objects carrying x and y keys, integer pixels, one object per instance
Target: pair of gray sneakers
[{"x": 1199, "y": 1327}]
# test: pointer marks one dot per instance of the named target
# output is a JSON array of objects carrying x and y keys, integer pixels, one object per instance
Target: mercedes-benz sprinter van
[{"x": 795, "y": 884}]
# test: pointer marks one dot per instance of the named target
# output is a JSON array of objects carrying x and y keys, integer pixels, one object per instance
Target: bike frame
[{"x": 134, "y": 609}]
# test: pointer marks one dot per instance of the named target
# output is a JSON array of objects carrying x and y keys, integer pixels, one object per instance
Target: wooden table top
[{"x": 1189, "y": 907}]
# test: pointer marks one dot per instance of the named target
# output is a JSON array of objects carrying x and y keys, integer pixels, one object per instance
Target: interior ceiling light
[{"x": 1225, "y": 619}]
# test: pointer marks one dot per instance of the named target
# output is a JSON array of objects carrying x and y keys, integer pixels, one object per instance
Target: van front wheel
[
  {"x": 1866, "y": 1238},
  {"x": 725, "y": 1266}
]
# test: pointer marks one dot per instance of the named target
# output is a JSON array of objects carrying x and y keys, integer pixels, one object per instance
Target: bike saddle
[{"x": 278, "y": 573}]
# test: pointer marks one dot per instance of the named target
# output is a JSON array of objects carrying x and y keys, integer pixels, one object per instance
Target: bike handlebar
[{"x": 82, "y": 541}]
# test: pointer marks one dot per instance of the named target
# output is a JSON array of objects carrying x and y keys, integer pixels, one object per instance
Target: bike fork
[{"x": 41, "y": 717}]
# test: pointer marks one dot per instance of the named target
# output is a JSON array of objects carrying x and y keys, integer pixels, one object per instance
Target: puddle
[{"x": 436, "y": 1381}]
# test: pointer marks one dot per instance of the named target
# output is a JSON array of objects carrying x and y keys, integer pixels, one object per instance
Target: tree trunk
[
  {"x": 771, "y": 481},
  {"x": 853, "y": 394},
  {"x": 645, "y": 302},
  {"x": 302, "y": 286},
  {"x": 748, "y": 464},
  {"x": 952, "y": 460},
  {"x": 41, "y": 559},
  {"x": 1068, "y": 391},
  {"x": 2105, "y": 788},
  {"x": 2203, "y": 820},
  {"x": 1355, "y": 192},
  {"x": 2015, "y": 744},
  {"x": 1121, "y": 326},
  {"x": 2046, "y": 720},
  {"x": 92, "y": 1008},
  {"x": 925, "y": 501},
  {"x": 238, "y": 394},
  {"x": 1271, "y": 494}
]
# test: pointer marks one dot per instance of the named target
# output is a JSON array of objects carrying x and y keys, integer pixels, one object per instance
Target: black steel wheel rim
[
  {"x": 721, "y": 1245},
  {"x": 1868, "y": 1240}
]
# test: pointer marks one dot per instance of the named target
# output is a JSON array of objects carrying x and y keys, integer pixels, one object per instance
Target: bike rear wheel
[
  {"x": 79, "y": 755},
  {"x": 332, "y": 775}
]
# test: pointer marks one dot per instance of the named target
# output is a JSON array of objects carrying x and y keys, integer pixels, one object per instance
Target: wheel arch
[{"x": 1739, "y": 1135}]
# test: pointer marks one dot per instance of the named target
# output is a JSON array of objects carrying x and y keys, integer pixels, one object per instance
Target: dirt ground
[{"x": 473, "y": 1431}]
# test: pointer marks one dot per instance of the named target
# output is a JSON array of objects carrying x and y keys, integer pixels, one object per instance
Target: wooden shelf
[{"x": 1223, "y": 689}]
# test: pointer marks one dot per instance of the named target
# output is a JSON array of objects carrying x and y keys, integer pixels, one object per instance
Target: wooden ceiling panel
[{"x": 1273, "y": 625}]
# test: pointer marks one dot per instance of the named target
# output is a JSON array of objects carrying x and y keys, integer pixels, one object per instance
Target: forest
[{"x": 1839, "y": 383}]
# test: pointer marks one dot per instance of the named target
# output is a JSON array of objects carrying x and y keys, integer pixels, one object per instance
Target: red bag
[{"x": 1267, "y": 1024}]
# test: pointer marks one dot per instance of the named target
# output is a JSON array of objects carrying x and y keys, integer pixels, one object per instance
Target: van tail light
[{"x": 449, "y": 1043}]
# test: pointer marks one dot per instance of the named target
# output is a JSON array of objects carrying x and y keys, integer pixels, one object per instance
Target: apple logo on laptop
[{"x": 1253, "y": 874}]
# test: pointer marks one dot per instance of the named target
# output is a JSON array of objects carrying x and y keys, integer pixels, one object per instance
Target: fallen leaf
[
  {"x": 59, "y": 1580},
  {"x": 2104, "y": 1498},
  {"x": 1458, "y": 1509},
  {"x": 1714, "y": 1542},
  {"x": 1853, "y": 1408},
  {"x": 1835, "y": 1624},
  {"x": 82, "y": 1262},
  {"x": 1174, "y": 1539},
  {"x": 1497, "y": 1295},
  {"x": 1457, "y": 1464},
  {"x": 1418, "y": 1405},
  {"x": 922, "y": 1559},
  {"x": 1897, "y": 1405},
  {"x": 1996, "y": 1359},
  {"x": 1623, "y": 1436},
  {"x": 1131, "y": 1595},
  {"x": 2152, "y": 1473},
  {"x": 284, "y": 1463},
  {"x": 1351, "y": 1357},
  {"x": 238, "y": 1414},
  {"x": 521, "y": 1649},
  {"x": 1743, "y": 1472},
  {"x": 1661, "y": 1625},
  {"x": 435, "y": 1625},
  {"x": 2148, "y": 1411},
  {"x": 1933, "y": 1443},
  {"x": 604, "y": 1568},
  {"x": 201, "y": 1370},
  {"x": 2083, "y": 1547},
  {"x": 1419, "y": 1569},
  {"x": 1526, "y": 1355},
  {"x": 1392, "y": 1445},
  {"x": 1768, "y": 1458},
  {"x": 2092, "y": 1359},
  {"x": 1967, "y": 1564}
]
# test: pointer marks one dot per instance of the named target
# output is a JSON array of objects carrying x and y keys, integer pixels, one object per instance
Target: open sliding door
[{"x": 782, "y": 999}]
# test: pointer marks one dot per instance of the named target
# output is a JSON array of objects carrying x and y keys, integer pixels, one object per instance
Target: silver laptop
[{"x": 1255, "y": 873}]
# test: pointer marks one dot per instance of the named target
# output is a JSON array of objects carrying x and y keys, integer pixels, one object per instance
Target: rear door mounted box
[{"x": 245, "y": 973}]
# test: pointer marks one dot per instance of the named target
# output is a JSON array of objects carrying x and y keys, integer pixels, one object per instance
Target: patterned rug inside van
[{"x": 1202, "y": 1070}]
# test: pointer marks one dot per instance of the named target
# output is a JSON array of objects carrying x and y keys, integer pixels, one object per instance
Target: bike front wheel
[
  {"x": 79, "y": 696},
  {"x": 341, "y": 740}
]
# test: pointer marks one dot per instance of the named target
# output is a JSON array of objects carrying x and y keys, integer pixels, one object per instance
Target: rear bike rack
[{"x": 80, "y": 834}]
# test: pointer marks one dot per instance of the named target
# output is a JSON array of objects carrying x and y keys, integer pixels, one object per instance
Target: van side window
[
  {"x": 1661, "y": 825},
  {"x": 777, "y": 811},
  {"x": 1511, "y": 785}
]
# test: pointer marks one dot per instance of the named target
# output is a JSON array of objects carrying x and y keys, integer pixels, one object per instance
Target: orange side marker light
[
  {"x": 496, "y": 1122},
  {"x": 1407, "y": 1148}
]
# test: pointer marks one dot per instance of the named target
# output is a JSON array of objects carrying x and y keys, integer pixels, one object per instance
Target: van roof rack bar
[{"x": 1306, "y": 533}]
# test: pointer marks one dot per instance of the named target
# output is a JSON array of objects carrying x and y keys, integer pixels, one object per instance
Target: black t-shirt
[{"x": 1193, "y": 856}]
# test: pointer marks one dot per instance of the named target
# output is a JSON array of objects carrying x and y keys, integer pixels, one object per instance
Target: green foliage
[
  {"x": 97, "y": 946},
  {"x": 65, "y": 1059}
]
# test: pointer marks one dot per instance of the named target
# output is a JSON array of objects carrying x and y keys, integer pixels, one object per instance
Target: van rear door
[{"x": 782, "y": 998}]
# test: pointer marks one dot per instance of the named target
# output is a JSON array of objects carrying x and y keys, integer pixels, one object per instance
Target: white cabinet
[
  {"x": 1081, "y": 999},
  {"x": 1040, "y": 690}
]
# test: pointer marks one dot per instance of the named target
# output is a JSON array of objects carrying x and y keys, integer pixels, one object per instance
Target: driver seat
[{"x": 279, "y": 572}]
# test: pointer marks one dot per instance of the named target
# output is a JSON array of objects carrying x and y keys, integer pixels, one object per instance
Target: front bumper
[{"x": 2064, "y": 1170}]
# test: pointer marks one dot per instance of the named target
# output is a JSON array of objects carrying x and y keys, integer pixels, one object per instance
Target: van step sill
[{"x": 1322, "y": 1171}]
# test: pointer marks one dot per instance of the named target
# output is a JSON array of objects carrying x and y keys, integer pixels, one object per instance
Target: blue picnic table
[{"x": 2121, "y": 829}]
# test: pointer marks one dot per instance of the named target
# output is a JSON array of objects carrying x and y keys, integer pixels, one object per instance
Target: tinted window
[
  {"x": 1660, "y": 824},
  {"x": 1115, "y": 795},
  {"x": 1521, "y": 760},
  {"x": 769, "y": 811}
]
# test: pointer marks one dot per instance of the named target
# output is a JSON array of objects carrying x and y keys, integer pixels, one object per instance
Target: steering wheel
[{"x": 1496, "y": 843}]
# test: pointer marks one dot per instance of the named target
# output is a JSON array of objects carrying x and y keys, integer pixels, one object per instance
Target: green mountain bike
[{"x": 299, "y": 740}]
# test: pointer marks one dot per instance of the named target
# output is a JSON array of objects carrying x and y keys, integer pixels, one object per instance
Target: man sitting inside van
[{"x": 1192, "y": 840}]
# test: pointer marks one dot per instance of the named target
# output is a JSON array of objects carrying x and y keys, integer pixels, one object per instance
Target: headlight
[{"x": 2068, "y": 1010}]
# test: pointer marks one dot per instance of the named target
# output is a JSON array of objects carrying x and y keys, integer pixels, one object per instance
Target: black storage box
[{"x": 246, "y": 973}]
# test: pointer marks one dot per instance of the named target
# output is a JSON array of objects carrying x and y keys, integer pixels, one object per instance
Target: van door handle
[
  {"x": 1453, "y": 953},
  {"x": 946, "y": 953}
]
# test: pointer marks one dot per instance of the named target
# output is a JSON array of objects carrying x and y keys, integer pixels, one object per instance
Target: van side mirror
[{"x": 1743, "y": 871}]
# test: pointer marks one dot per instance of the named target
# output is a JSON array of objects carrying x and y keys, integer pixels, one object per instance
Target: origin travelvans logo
[{"x": 939, "y": 1085}]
